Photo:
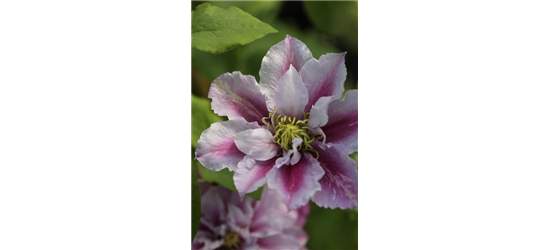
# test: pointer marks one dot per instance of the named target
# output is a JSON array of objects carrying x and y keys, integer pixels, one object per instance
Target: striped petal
[
  {"x": 216, "y": 148},
  {"x": 324, "y": 77},
  {"x": 297, "y": 183},
  {"x": 235, "y": 95}
]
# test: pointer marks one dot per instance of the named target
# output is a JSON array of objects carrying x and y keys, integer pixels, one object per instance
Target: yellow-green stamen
[
  {"x": 231, "y": 240},
  {"x": 288, "y": 128}
]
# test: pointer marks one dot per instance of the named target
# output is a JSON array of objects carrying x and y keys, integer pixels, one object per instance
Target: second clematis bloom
[
  {"x": 230, "y": 223},
  {"x": 292, "y": 131}
]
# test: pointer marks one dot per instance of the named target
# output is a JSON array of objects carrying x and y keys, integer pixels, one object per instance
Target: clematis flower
[
  {"x": 292, "y": 131},
  {"x": 227, "y": 222}
]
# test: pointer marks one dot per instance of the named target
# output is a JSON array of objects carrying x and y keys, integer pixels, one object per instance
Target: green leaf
[
  {"x": 224, "y": 178},
  {"x": 202, "y": 117},
  {"x": 217, "y": 30},
  {"x": 264, "y": 10},
  {"x": 195, "y": 201}
]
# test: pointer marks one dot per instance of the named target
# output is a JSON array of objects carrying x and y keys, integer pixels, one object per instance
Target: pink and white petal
[
  {"x": 206, "y": 240},
  {"x": 298, "y": 183},
  {"x": 235, "y": 95},
  {"x": 284, "y": 160},
  {"x": 324, "y": 77},
  {"x": 292, "y": 156},
  {"x": 236, "y": 216},
  {"x": 278, "y": 59},
  {"x": 302, "y": 214},
  {"x": 197, "y": 245},
  {"x": 298, "y": 234},
  {"x": 340, "y": 181},
  {"x": 250, "y": 174},
  {"x": 278, "y": 242},
  {"x": 214, "y": 244},
  {"x": 289, "y": 95},
  {"x": 318, "y": 132},
  {"x": 319, "y": 112},
  {"x": 212, "y": 207},
  {"x": 237, "y": 221},
  {"x": 245, "y": 204},
  {"x": 249, "y": 245},
  {"x": 257, "y": 143},
  {"x": 204, "y": 187},
  {"x": 216, "y": 149},
  {"x": 296, "y": 156},
  {"x": 342, "y": 126},
  {"x": 270, "y": 215},
  {"x": 211, "y": 227},
  {"x": 228, "y": 196},
  {"x": 270, "y": 203},
  {"x": 266, "y": 226}
]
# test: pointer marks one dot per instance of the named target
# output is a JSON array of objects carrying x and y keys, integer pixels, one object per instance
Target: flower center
[
  {"x": 231, "y": 240},
  {"x": 288, "y": 128}
]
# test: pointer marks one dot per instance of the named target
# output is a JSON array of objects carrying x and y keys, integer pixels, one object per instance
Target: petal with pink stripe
[
  {"x": 340, "y": 181},
  {"x": 297, "y": 183},
  {"x": 216, "y": 149},
  {"x": 342, "y": 126},
  {"x": 289, "y": 96},
  {"x": 250, "y": 174},
  {"x": 324, "y": 77},
  {"x": 278, "y": 59},
  {"x": 257, "y": 143},
  {"x": 235, "y": 95}
]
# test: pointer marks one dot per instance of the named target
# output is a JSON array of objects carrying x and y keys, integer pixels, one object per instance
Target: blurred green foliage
[
  {"x": 202, "y": 117},
  {"x": 335, "y": 18},
  {"x": 195, "y": 200},
  {"x": 332, "y": 229}
]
